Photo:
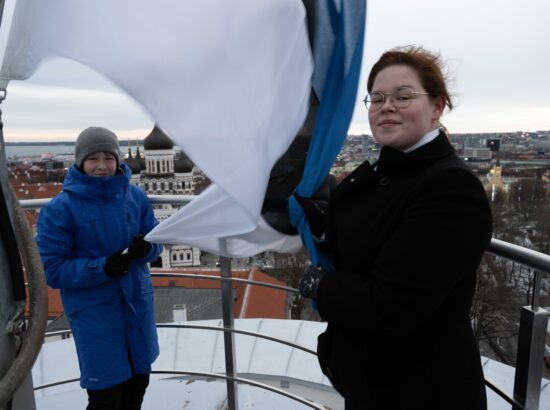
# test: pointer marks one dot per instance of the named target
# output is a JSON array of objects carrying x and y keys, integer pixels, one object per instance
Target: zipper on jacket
[
  {"x": 130, "y": 225},
  {"x": 98, "y": 238}
]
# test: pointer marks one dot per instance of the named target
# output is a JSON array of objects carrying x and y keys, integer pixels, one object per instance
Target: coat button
[
  {"x": 352, "y": 180},
  {"x": 384, "y": 181}
]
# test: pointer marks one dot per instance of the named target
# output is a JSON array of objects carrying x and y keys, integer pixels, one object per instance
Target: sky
[{"x": 496, "y": 53}]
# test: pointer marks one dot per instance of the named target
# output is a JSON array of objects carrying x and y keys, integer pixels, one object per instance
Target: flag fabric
[
  {"x": 228, "y": 81},
  {"x": 337, "y": 52}
]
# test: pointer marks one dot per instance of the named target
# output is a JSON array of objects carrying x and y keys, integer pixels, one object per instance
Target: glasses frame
[{"x": 368, "y": 104}]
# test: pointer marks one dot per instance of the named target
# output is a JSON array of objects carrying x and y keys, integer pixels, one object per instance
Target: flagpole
[{"x": 228, "y": 324}]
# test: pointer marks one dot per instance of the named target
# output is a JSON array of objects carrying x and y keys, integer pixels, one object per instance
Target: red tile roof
[
  {"x": 252, "y": 301},
  {"x": 37, "y": 191}
]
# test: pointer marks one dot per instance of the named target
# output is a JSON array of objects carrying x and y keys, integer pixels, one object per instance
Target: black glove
[
  {"x": 315, "y": 211},
  {"x": 139, "y": 248},
  {"x": 309, "y": 282},
  {"x": 117, "y": 264},
  {"x": 316, "y": 207}
]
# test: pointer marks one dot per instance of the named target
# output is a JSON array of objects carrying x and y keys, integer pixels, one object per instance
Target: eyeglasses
[{"x": 400, "y": 98}]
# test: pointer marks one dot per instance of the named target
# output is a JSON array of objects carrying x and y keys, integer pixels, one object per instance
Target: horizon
[{"x": 130, "y": 136}]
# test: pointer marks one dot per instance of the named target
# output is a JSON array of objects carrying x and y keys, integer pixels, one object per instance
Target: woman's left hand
[{"x": 309, "y": 282}]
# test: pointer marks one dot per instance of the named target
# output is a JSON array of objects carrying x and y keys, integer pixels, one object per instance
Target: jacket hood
[{"x": 97, "y": 188}]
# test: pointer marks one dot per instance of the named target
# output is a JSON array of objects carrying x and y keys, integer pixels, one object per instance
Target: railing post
[
  {"x": 228, "y": 337},
  {"x": 531, "y": 340}
]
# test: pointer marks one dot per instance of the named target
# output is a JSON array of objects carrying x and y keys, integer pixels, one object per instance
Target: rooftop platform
[{"x": 277, "y": 365}]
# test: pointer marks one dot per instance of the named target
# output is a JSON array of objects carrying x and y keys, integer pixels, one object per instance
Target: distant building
[
  {"x": 49, "y": 164},
  {"x": 493, "y": 144},
  {"x": 476, "y": 154},
  {"x": 163, "y": 171},
  {"x": 457, "y": 146}
]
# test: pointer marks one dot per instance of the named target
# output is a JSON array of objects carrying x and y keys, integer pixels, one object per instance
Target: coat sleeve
[
  {"x": 436, "y": 247},
  {"x": 147, "y": 223},
  {"x": 56, "y": 242}
]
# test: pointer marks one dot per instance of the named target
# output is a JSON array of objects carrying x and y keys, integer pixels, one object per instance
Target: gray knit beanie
[{"x": 95, "y": 139}]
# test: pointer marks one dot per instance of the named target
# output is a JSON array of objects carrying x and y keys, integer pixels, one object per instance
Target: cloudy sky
[{"x": 497, "y": 53}]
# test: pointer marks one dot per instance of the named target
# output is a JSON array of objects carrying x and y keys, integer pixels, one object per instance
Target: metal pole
[
  {"x": 228, "y": 337},
  {"x": 23, "y": 397},
  {"x": 535, "y": 297},
  {"x": 7, "y": 304},
  {"x": 531, "y": 341}
]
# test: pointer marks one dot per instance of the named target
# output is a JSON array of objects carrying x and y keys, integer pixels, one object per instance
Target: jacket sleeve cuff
[
  {"x": 154, "y": 252},
  {"x": 100, "y": 265}
]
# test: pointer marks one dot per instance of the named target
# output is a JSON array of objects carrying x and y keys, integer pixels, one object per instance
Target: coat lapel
[{"x": 362, "y": 176}]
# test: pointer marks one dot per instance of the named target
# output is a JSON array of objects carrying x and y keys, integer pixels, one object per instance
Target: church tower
[{"x": 165, "y": 171}]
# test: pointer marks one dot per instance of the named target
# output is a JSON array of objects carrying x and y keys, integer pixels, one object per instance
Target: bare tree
[
  {"x": 289, "y": 268},
  {"x": 520, "y": 216}
]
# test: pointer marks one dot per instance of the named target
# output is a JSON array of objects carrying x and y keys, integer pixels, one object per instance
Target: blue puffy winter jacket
[{"x": 112, "y": 319}]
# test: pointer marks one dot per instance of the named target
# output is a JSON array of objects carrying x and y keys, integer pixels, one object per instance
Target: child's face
[{"x": 100, "y": 164}]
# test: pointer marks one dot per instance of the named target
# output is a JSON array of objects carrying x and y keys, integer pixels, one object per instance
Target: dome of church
[
  {"x": 182, "y": 163},
  {"x": 132, "y": 163},
  {"x": 139, "y": 159},
  {"x": 157, "y": 140}
]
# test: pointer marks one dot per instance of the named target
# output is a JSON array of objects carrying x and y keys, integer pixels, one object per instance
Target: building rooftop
[
  {"x": 290, "y": 369},
  {"x": 157, "y": 140}
]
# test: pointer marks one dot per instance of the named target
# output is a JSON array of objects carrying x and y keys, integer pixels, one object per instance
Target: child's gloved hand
[
  {"x": 139, "y": 248},
  {"x": 117, "y": 264}
]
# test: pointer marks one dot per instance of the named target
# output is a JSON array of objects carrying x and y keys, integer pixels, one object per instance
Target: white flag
[{"x": 229, "y": 81}]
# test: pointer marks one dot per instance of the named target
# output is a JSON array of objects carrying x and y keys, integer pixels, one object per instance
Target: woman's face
[{"x": 401, "y": 128}]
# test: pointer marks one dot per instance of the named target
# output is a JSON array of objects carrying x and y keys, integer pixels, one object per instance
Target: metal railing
[
  {"x": 532, "y": 328},
  {"x": 243, "y": 380},
  {"x": 531, "y": 342},
  {"x": 229, "y": 353}
]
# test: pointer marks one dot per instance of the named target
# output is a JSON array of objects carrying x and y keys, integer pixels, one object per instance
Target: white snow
[{"x": 259, "y": 359}]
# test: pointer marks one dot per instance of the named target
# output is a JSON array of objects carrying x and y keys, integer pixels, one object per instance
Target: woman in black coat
[{"x": 406, "y": 236}]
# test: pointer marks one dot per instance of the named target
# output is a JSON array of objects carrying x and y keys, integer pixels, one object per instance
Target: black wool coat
[{"x": 406, "y": 240}]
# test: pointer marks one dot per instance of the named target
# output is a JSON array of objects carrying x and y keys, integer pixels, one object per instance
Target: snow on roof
[
  {"x": 202, "y": 351},
  {"x": 173, "y": 394}
]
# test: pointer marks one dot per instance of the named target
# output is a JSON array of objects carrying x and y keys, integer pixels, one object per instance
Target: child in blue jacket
[{"x": 91, "y": 242}]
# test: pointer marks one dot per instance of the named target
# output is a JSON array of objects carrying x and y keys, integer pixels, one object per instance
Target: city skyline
[{"x": 494, "y": 52}]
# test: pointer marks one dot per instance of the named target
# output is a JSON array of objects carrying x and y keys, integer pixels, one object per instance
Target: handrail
[
  {"x": 155, "y": 199},
  {"x": 299, "y": 399},
  {"x": 254, "y": 383},
  {"x": 34, "y": 203},
  {"x": 528, "y": 257},
  {"x": 171, "y": 199},
  {"x": 509, "y": 399},
  {"x": 204, "y": 327},
  {"x": 532, "y": 328},
  {"x": 519, "y": 254},
  {"x": 217, "y": 277},
  {"x": 488, "y": 382},
  {"x": 241, "y": 332}
]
